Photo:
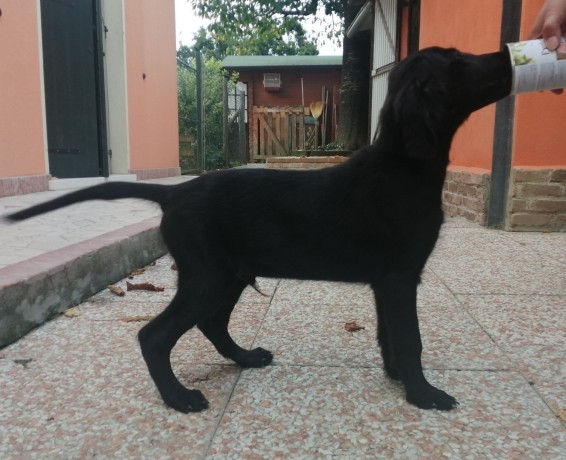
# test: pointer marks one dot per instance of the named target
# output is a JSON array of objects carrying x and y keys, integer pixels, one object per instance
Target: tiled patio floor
[{"x": 493, "y": 314}]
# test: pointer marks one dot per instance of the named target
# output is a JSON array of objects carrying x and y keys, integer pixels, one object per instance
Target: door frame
[{"x": 101, "y": 121}]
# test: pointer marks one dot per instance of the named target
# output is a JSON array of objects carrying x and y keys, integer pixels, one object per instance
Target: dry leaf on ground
[
  {"x": 352, "y": 326},
  {"x": 72, "y": 312},
  {"x": 143, "y": 287},
  {"x": 136, "y": 272},
  {"x": 562, "y": 415},
  {"x": 206, "y": 378},
  {"x": 116, "y": 290},
  {"x": 136, "y": 319}
]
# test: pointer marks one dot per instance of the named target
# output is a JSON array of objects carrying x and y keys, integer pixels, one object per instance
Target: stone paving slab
[
  {"x": 78, "y": 387},
  {"x": 56, "y": 260},
  {"x": 74, "y": 224},
  {"x": 473, "y": 260}
]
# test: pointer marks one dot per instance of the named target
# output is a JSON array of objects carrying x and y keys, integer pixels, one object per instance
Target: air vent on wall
[{"x": 272, "y": 81}]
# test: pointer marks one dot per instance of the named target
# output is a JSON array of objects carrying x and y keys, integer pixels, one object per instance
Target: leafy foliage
[
  {"x": 262, "y": 27},
  {"x": 213, "y": 76}
]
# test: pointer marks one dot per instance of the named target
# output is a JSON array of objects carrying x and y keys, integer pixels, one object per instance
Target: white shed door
[{"x": 384, "y": 55}]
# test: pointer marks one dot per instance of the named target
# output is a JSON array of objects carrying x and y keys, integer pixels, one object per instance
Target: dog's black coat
[{"x": 373, "y": 219}]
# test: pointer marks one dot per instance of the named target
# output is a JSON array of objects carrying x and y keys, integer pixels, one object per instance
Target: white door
[{"x": 384, "y": 55}]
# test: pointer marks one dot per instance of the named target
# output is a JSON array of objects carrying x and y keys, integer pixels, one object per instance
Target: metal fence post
[
  {"x": 242, "y": 128},
  {"x": 225, "y": 116},
  {"x": 200, "y": 113}
]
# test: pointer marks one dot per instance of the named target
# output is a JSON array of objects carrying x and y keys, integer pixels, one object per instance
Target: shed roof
[{"x": 281, "y": 61}]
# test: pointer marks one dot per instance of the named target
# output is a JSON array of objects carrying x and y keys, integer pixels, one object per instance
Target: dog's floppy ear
[{"x": 413, "y": 108}]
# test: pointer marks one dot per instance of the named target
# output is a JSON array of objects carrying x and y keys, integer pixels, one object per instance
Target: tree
[
  {"x": 251, "y": 28},
  {"x": 274, "y": 27},
  {"x": 213, "y": 78}
]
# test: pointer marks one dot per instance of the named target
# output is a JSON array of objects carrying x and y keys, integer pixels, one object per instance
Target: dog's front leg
[
  {"x": 389, "y": 364},
  {"x": 396, "y": 295}
]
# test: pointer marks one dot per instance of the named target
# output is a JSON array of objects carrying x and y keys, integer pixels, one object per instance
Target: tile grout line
[
  {"x": 228, "y": 399},
  {"x": 467, "y": 312},
  {"x": 513, "y": 236},
  {"x": 513, "y": 369}
]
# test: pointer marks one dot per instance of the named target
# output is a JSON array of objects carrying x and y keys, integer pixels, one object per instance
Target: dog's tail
[{"x": 157, "y": 193}]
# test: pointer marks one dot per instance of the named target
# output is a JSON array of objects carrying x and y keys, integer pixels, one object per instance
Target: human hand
[{"x": 550, "y": 24}]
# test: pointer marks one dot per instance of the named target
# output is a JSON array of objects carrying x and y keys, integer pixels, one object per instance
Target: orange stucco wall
[
  {"x": 475, "y": 27},
  {"x": 472, "y": 27},
  {"x": 22, "y": 144},
  {"x": 152, "y": 101},
  {"x": 539, "y": 117}
]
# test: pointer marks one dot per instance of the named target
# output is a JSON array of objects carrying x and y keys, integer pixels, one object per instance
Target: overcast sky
[{"x": 187, "y": 24}]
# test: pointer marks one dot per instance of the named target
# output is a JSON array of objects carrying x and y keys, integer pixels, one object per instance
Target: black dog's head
[{"x": 432, "y": 92}]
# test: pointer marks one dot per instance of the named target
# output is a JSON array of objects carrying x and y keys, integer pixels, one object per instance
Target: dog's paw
[
  {"x": 431, "y": 398},
  {"x": 258, "y": 357},
  {"x": 185, "y": 400}
]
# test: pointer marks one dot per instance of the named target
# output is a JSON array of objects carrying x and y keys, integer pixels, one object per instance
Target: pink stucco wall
[
  {"x": 152, "y": 100},
  {"x": 22, "y": 144}
]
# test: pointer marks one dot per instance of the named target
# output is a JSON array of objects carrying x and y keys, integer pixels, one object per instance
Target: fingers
[
  {"x": 550, "y": 23},
  {"x": 536, "y": 31},
  {"x": 551, "y": 32}
]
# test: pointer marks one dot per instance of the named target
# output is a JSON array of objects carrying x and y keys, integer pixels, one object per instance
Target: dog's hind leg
[
  {"x": 159, "y": 336},
  {"x": 396, "y": 293},
  {"x": 215, "y": 328}
]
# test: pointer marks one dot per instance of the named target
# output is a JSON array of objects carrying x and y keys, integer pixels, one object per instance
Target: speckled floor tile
[
  {"x": 79, "y": 389},
  {"x": 313, "y": 412},
  {"x": 544, "y": 367},
  {"x": 267, "y": 288},
  {"x": 193, "y": 347},
  {"x": 305, "y": 324},
  {"x": 311, "y": 332},
  {"x": 303, "y": 333},
  {"x": 453, "y": 340},
  {"x": 519, "y": 320},
  {"x": 458, "y": 222},
  {"x": 126, "y": 309},
  {"x": 480, "y": 261},
  {"x": 551, "y": 245},
  {"x": 79, "y": 385},
  {"x": 531, "y": 331},
  {"x": 322, "y": 292}
]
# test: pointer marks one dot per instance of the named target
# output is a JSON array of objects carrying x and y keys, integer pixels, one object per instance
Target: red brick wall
[
  {"x": 538, "y": 200},
  {"x": 537, "y": 197},
  {"x": 466, "y": 193}
]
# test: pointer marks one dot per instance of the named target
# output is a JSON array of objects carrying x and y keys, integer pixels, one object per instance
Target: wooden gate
[{"x": 279, "y": 131}]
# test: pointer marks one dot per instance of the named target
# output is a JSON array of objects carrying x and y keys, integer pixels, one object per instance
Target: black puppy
[{"x": 373, "y": 219}]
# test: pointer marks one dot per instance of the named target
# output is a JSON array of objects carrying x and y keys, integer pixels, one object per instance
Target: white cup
[{"x": 535, "y": 67}]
